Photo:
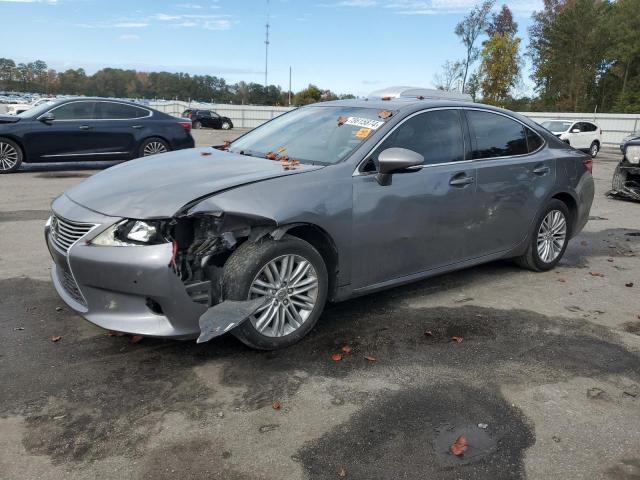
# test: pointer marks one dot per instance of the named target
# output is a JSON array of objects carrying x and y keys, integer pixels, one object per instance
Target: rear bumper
[
  {"x": 182, "y": 143},
  {"x": 585, "y": 191},
  {"x": 112, "y": 287}
]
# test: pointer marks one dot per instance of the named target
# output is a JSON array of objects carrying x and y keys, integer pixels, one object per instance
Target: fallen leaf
[
  {"x": 420, "y": 97},
  {"x": 112, "y": 333},
  {"x": 630, "y": 284},
  {"x": 596, "y": 274},
  {"x": 205, "y": 154},
  {"x": 226, "y": 144},
  {"x": 136, "y": 338},
  {"x": 336, "y": 357},
  {"x": 281, "y": 149},
  {"x": 58, "y": 309},
  {"x": 459, "y": 446},
  {"x": 562, "y": 280},
  {"x": 457, "y": 339},
  {"x": 370, "y": 359},
  {"x": 276, "y": 405},
  {"x": 386, "y": 99},
  {"x": 384, "y": 114},
  {"x": 347, "y": 348},
  {"x": 609, "y": 259},
  {"x": 584, "y": 243},
  {"x": 56, "y": 338},
  {"x": 342, "y": 120},
  {"x": 271, "y": 155},
  {"x": 342, "y": 472},
  {"x": 428, "y": 333}
]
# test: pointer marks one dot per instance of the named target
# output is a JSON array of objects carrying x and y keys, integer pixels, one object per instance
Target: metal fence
[
  {"x": 242, "y": 116},
  {"x": 615, "y": 126}
]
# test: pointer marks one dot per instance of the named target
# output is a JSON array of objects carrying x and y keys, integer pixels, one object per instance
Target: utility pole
[
  {"x": 266, "y": 48},
  {"x": 289, "y": 85}
]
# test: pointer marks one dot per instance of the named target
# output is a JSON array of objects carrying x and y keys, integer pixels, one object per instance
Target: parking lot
[{"x": 545, "y": 383}]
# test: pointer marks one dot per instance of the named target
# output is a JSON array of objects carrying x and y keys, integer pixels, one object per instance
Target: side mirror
[
  {"x": 396, "y": 160},
  {"x": 575, "y": 130},
  {"x": 47, "y": 117}
]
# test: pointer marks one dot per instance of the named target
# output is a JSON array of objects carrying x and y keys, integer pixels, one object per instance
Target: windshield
[
  {"x": 36, "y": 111},
  {"x": 556, "y": 126},
  {"x": 315, "y": 135}
]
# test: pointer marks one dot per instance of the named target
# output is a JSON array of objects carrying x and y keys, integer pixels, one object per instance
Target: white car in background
[
  {"x": 582, "y": 135},
  {"x": 18, "y": 108}
]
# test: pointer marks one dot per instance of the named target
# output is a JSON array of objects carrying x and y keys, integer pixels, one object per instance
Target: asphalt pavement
[{"x": 545, "y": 383}]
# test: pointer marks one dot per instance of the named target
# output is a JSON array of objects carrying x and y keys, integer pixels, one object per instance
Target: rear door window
[
  {"x": 495, "y": 135},
  {"x": 119, "y": 111},
  {"x": 75, "y": 111},
  {"x": 436, "y": 135}
]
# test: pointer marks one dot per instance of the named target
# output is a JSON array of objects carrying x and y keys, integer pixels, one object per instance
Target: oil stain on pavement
[{"x": 89, "y": 397}]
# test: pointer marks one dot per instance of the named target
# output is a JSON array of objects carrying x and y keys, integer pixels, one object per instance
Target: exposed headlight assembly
[
  {"x": 633, "y": 153},
  {"x": 131, "y": 233}
]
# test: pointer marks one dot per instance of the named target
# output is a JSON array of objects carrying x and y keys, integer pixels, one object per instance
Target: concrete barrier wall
[{"x": 614, "y": 126}]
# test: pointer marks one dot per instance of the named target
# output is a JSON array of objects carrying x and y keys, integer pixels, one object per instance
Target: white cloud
[
  {"x": 205, "y": 21},
  {"x": 193, "y": 6},
  {"x": 434, "y": 7},
  {"x": 50, "y": 2},
  {"x": 129, "y": 38},
  {"x": 128, "y": 25}
]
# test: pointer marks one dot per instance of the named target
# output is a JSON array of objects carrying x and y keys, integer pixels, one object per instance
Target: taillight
[
  {"x": 588, "y": 164},
  {"x": 185, "y": 125}
]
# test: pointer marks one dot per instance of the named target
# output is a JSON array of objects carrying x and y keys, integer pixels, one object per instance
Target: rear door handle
[
  {"x": 136, "y": 126},
  {"x": 85, "y": 127},
  {"x": 541, "y": 170},
  {"x": 458, "y": 181}
]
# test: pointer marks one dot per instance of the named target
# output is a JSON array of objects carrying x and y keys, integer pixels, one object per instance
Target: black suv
[{"x": 207, "y": 118}]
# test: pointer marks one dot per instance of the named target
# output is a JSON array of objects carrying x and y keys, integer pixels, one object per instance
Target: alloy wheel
[
  {"x": 152, "y": 148},
  {"x": 8, "y": 156},
  {"x": 594, "y": 150},
  {"x": 290, "y": 285},
  {"x": 552, "y": 236}
]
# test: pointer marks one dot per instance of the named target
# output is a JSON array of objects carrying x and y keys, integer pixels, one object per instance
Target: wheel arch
[
  {"x": 572, "y": 205},
  {"x": 20, "y": 144},
  {"x": 323, "y": 243}
]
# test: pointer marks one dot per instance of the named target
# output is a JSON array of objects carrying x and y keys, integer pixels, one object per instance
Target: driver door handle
[
  {"x": 458, "y": 181},
  {"x": 85, "y": 127},
  {"x": 136, "y": 126},
  {"x": 541, "y": 170}
]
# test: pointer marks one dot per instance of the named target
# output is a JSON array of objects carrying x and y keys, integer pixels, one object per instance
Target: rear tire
[
  {"x": 11, "y": 156},
  {"x": 594, "y": 149},
  {"x": 153, "y": 146},
  {"x": 547, "y": 232},
  {"x": 277, "y": 325},
  {"x": 197, "y": 125},
  {"x": 226, "y": 126}
]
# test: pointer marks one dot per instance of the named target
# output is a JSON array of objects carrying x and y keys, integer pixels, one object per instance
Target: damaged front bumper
[
  {"x": 626, "y": 182},
  {"x": 139, "y": 289}
]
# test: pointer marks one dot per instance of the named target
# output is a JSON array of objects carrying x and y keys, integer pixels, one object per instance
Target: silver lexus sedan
[{"x": 323, "y": 203}]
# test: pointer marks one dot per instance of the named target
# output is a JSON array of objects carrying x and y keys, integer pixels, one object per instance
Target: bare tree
[
  {"x": 469, "y": 29},
  {"x": 450, "y": 76}
]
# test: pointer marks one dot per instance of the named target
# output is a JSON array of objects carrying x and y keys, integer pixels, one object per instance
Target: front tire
[
  {"x": 10, "y": 156},
  {"x": 594, "y": 149},
  {"x": 549, "y": 239},
  {"x": 153, "y": 146},
  {"x": 619, "y": 179},
  {"x": 226, "y": 126},
  {"x": 292, "y": 277}
]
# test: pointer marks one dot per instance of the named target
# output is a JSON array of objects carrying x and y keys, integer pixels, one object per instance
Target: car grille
[
  {"x": 70, "y": 285},
  {"x": 65, "y": 233}
]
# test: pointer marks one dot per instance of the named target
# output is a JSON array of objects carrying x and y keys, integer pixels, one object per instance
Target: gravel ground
[{"x": 549, "y": 365}]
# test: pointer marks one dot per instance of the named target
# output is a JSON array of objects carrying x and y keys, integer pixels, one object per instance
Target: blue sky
[{"x": 350, "y": 46}]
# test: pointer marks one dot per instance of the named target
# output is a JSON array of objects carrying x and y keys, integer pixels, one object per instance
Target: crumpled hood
[{"x": 159, "y": 186}]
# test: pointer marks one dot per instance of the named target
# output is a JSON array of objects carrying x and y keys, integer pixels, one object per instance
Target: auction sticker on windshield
[{"x": 364, "y": 122}]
